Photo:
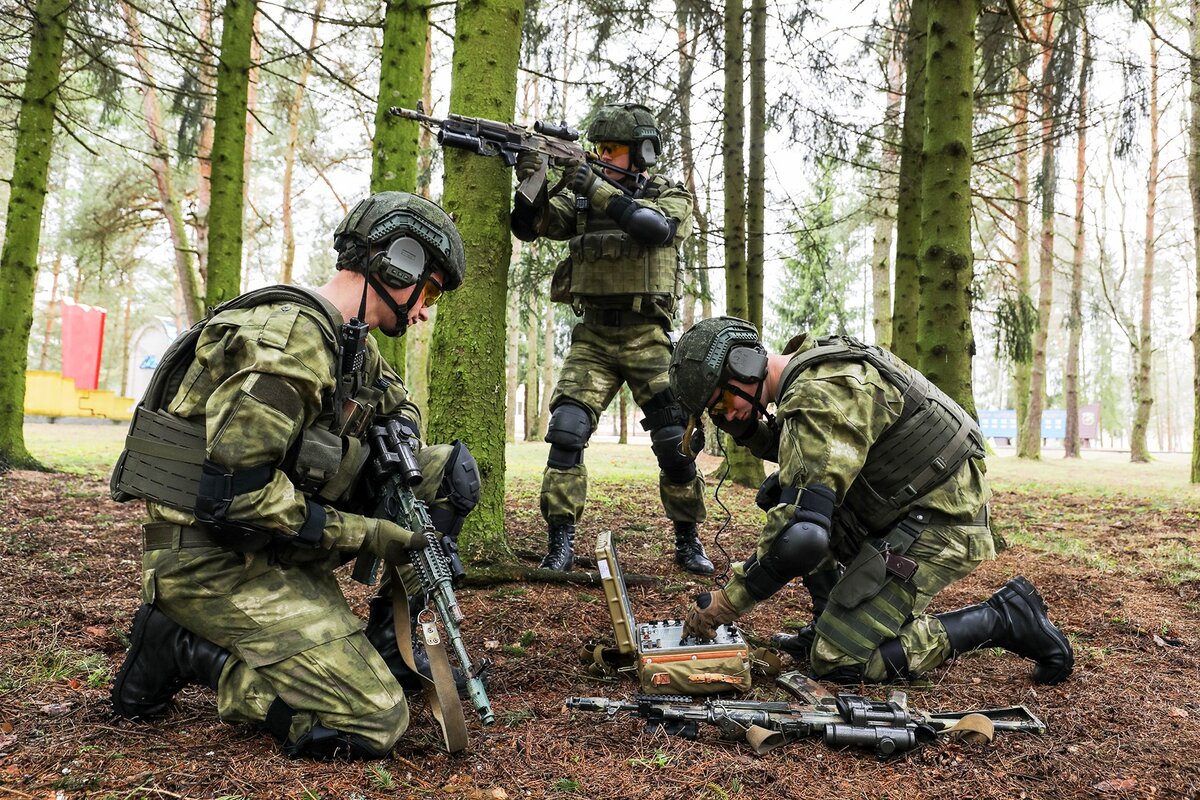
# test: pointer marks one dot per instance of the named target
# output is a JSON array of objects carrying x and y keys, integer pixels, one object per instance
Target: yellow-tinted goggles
[
  {"x": 723, "y": 404},
  {"x": 431, "y": 293},
  {"x": 613, "y": 149}
]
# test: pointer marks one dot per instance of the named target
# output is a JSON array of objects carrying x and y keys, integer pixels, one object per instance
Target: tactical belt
[
  {"x": 169, "y": 536},
  {"x": 618, "y": 318}
]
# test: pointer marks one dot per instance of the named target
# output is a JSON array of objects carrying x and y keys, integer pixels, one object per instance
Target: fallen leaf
[
  {"x": 1167, "y": 641},
  {"x": 6, "y": 740},
  {"x": 1176, "y": 712},
  {"x": 491, "y": 644},
  {"x": 95, "y": 630},
  {"x": 1116, "y": 786},
  {"x": 56, "y": 709},
  {"x": 75, "y": 683},
  {"x": 6, "y": 727},
  {"x": 499, "y": 794}
]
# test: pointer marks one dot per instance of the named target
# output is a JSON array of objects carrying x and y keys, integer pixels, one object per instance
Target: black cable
[{"x": 724, "y": 576}]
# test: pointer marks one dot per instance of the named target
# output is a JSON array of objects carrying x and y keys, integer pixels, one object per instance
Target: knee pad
[
  {"x": 798, "y": 548},
  {"x": 459, "y": 488},
  {"x": 675, "y": 465},
  {"x": 568, "y": 432}
]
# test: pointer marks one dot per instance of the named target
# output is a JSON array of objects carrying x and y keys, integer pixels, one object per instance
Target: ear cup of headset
[{"x": 402, "y": 264}]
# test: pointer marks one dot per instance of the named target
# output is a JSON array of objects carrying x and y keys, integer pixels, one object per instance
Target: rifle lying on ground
[
  {"x": 845, "y": 720},
  {"x": 396, "y": 470},
  {"x": 559, "y": 144}
]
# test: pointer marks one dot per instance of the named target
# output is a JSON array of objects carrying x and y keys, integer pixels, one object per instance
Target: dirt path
[{"x": 1126, "y": 725}]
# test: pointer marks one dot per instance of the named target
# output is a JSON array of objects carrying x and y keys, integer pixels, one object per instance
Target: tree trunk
[
  {"x": 532, "y": 347},
  {"x": 160, "y": 165},
  {"x": 623, "y": 416},
  {"x": 908, "y": 190},
  {"x": 204, "y": 142},
  {"x": 467, "y": 358},
  {"x": 697, "y": 243},
  {"x": 946, "y": 342},
  {"x": 757, "y": 178},
  {"x": 743, "y": 467},
  {"x": 1023, "y": 355},
  {"x": 51, "y": 308},
  {"x": 1075, "y": 320},
  {"x": 126, "y": 340},
  {"x": 293, "y": 140},
  {"x": 228, "y": 153},
  {"x": 23, "y": 223},
  {"x": 1029, "y": 444},
  {"x": 885, "y": 214},
  {"x": 511, "y": 359},
  {"x": 547, "y": 380},
  {"x": 1193, "y": 160},
  {"x": 1143, "y": 389}
]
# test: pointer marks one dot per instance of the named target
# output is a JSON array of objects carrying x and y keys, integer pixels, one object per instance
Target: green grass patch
[{"x": 82, "y": 448}]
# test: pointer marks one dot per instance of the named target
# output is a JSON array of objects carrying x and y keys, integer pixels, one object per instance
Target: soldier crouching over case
[
  {"x": 250, "y": 449},
  {"x": 880, "y": 502}
]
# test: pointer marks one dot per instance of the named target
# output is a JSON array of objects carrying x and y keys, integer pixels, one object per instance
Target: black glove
[
  {"x": 583, "y": 179},
  {"x": 696, "y": 444},
  {"x": 769, "y": 492},
  {"x": 528, "y": 163}
]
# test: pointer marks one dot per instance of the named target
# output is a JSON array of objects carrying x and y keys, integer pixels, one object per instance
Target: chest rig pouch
[
  {"x": 164, "y": 454},
  {"x": 933, "y": 437}
]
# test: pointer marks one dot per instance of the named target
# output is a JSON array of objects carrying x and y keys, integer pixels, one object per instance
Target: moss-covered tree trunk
[
  {"x": 1143, "y": 386},
  {"x": 697, "y": 245},
  {"x": 1193, "y": 160},
  {"x": 228, "y": 152},
  {"x": 295, "y": 107},
  {"x": 908, "y": 191},
  {"x": 467, "y": 358},
  {"x": 395, "y": 146},
  {"x": 1029, "y": 437},
  {"x": 23, "y": 223},
  {"x": 1075, "y": 318},
  {"x": 743, "y": 467},
  {"x": 416, "y": 341},
  {"x": 945, "y": 339},
  {"x": 1022, "y": 355},
  {"x": 532, "y": 350},
  {"x": 884, "y": 206},
  {"x": 757, "y": 178}
]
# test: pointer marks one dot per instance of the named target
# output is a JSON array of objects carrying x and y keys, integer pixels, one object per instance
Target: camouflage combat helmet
[
  {"x": 399, "y": 218},
  {"x": 712, "y": 352},
  {"x": 628, "y": 122}
]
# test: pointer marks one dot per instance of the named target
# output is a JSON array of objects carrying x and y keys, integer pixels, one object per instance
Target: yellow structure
[{"x": 49, "y": 394}]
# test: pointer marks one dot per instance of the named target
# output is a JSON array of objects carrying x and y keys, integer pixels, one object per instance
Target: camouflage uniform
[
  {"x": 278, "y": 610},
  {"x": 635, "y": 350},
  {"x": 830, "y": 416}
]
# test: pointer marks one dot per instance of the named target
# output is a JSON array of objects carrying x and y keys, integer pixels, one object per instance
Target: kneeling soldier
[
  {"x": 880, "y": 502},
  {"x": 270, "y": 400}
]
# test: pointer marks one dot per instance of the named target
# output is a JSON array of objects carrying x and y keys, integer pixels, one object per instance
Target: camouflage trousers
[
  {"x": 849, "y": 633},
  {"x": 600, "y": 360},
  {"x": 290, "y": 630}
]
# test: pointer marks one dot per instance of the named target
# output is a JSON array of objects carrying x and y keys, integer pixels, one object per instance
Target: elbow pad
[
  {"x": 525, "y": 221},
  {"x": 644, "y": 224}
]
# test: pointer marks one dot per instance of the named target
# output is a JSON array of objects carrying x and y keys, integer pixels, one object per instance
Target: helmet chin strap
[
  {"x": 401, "y": 312},
  {"x": 755, "y": 401}
]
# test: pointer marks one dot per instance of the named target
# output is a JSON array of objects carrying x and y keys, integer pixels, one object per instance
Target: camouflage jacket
[{"x": 261, "y": 376}]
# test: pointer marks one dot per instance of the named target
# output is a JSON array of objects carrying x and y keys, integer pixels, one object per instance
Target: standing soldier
[
  {"x": 879, "y": 471},
  {"x": 270, "y": 400},
  {"x": 624, "y": 228}
]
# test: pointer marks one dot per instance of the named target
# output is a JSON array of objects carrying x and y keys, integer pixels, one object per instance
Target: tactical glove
[
  {"x": 769, "y": 492},
  {"x": 390, "y": 542},
  {"x": 585, "y": 181},
  {"x": 709, "y": 611},
  {"x": 528, "y": 163}
]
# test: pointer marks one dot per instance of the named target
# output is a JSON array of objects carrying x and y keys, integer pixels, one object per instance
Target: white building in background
[{"x": 146, "y": 347}]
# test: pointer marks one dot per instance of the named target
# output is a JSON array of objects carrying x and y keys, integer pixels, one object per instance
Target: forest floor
[{"x": 1118, "y": 563}]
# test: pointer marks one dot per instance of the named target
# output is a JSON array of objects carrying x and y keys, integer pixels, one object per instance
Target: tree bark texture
[
  {"x": 204, "y": 142},
  {"x": 1143, "y": 387},
  {"x": 885, "y": 213},
  {"x": 1075, "y": 319},
  {"x": 51, "y": 311},
  {"x": 1023, "y": 361},
  {"x": 1029, "y": 444},
  {"x": 512, "y": 336},
  {"x": 549, "y": 328},
  {"x": 908, "y": 191},
  {"x": 532, "y": 349},
  {"x": 946, "y": 342},
  {"x": 756, "y": 186},
  {"x": 228, "y": 153},
  {"x": 467, "y": 358},
  {"x": 1193, "y": 160},
  {"x": 160, "y": 165},
  {"x": 23, "y": 223},
  {"x": 295, "y": 107}
]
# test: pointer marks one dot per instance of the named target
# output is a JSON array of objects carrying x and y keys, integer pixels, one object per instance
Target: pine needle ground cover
[{"x": 1115, "y": 553}]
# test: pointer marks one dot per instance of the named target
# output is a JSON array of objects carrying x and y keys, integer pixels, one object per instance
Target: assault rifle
[
  {"x": 844, "y": 720},
  {"x": 559, "y": 144},
  {"x": 396, "y": 471}
]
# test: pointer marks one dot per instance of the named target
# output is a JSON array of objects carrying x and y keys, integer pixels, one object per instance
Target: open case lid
[{"x": 615, "y": 594}]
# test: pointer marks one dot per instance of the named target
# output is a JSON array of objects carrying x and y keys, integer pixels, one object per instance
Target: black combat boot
[
  {"x": 381, "y": 633},
  {"x": 163, "y": 657},
  {"x": 689, "y": 553},
  {"x": 560, "y": 550},
  {"x": 819, "y": 585},
  {"x": 1014, "y": 618}
]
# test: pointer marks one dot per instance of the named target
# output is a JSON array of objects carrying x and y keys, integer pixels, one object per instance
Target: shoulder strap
[{"x": 847, "y": 348}]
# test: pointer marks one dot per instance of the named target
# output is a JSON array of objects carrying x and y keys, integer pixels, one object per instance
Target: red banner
[{"x": 82, "y": 343}]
